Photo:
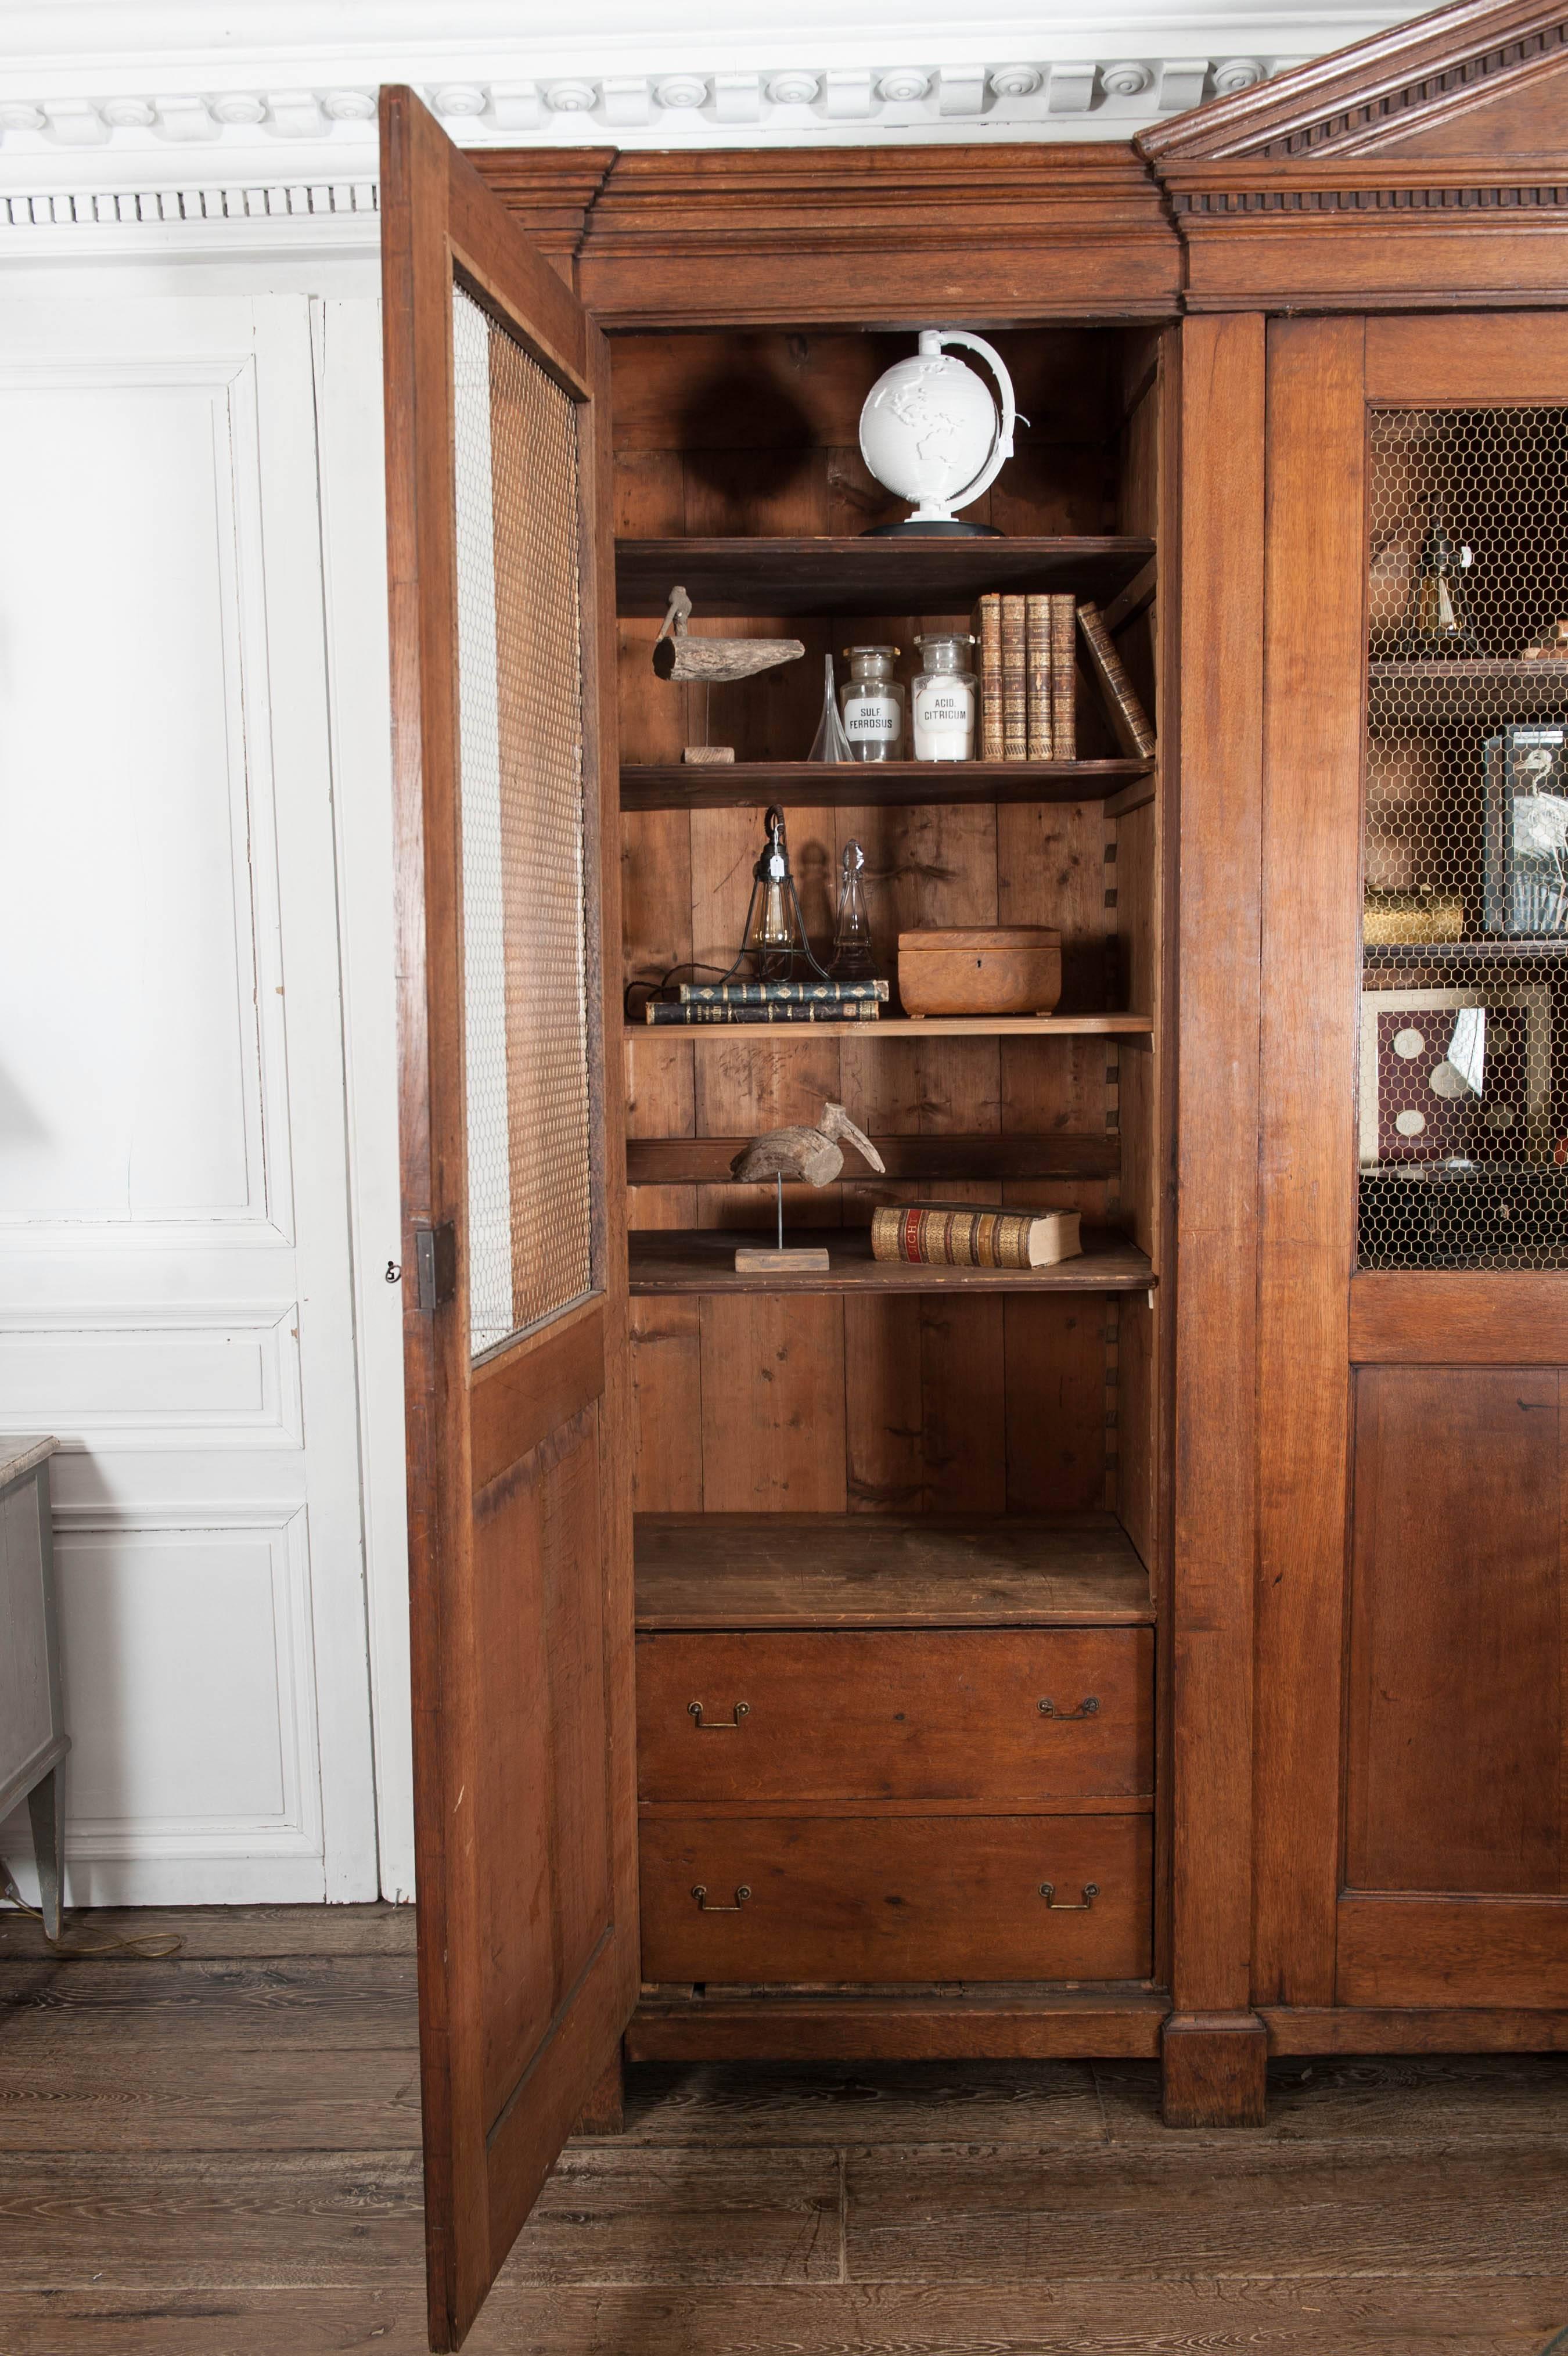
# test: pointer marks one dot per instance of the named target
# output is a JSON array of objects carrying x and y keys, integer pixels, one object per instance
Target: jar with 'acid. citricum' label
[{"x": 945, "y": 698}]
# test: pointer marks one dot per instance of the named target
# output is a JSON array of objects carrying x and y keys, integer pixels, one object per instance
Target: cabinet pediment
[
  {"x": 1484, "y": 79},
  {"x": 1428, "y": 162}
]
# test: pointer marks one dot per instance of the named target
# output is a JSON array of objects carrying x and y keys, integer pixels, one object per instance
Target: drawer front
[
  {"x": 882, "y": 1714},
  {"x": 879, "y": 1900}
]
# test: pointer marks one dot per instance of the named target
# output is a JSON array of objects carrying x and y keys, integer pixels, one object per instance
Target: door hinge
[{"x": 435, "y": 1259}]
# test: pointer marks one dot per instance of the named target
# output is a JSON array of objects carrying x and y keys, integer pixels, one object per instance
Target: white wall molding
[
  {"x": 203, "y": 1375},
  {"x": 1012, "y": 95},
  {"x": 296, "y": 201},
  {"x": 269, "y": 105}
]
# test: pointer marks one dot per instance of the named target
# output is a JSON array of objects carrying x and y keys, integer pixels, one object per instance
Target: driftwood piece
[
  {"x": 715, "y": 660},
  {"x": 814, "y": 1155}
]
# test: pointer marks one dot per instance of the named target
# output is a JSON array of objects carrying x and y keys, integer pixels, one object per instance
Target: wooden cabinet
[{"x": 1269, "y": 1476}]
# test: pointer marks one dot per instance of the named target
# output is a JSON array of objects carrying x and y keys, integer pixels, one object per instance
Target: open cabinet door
[{"x": 514, "y": 1250}]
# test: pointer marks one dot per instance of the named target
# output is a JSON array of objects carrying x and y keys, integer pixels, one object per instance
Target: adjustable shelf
[
  {"x": 1137, "y": 1027},
  {"x": 840, "y": 577},
  {"x": 1056, "y": 1153},
  {"x": 701, "y": 1260},
  {"x": 883, "y": 1570},
  {"x": 1471, "y": 690},
  {"x": 1495, "y": 947},
  {"x": 858, "y": 785}
]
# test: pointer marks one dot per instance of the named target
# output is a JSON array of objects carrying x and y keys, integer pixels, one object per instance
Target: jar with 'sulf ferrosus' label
[
  {"x": 945, "y": 698},
  {"x": 873, "y": 703}
]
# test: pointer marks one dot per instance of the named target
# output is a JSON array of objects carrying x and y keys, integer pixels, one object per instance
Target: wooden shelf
[
  {"x": 830, "y": 576},
  {"x": 1495, "y": 945},
  {"x": 1485, "y": 685},
  {"x": 1056, "y": 1153},
  {"x": 701, "y": 1260},
  {"x": 884, "y": 785},
  {"x": 902, "y": 1026},
  {"x": 879, "y": 1570}
]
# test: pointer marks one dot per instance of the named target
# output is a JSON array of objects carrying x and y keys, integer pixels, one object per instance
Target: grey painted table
[{"x": 33, "y": 1740}]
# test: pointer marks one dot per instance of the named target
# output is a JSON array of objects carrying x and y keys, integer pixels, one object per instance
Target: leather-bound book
[
  {"x": 987, "y": 629},
  {"x": 1128, "y": 716},
  {"x": 947, "y": 1235},
  {"x": 1064, "y": 681},
  {"x": 1015, "y": 679},
  {"x": 1039, "y": 658}
]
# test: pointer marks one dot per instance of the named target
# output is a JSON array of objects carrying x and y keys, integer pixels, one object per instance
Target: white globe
[{"x": 928, "y": 427}]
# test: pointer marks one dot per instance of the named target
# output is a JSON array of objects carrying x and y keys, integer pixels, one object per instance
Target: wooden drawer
[
  {"x": 884, "y": 1714},
  {"x": 879, "y": 1900}
]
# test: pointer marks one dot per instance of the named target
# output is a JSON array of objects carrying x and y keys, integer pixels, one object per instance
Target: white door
[{"x": 176, "y": 1294}]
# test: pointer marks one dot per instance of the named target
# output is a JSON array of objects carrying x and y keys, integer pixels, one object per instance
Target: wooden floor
[{"x": 219, "y": 2156}]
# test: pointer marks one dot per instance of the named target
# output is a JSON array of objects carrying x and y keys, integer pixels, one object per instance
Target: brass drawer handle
[
  {"x": 717, "y": 1725},
  {"x": 1088, "y": 1708},
  {"x": 700, "y": 1892},
  {"x": 1064, "y": 1906}
]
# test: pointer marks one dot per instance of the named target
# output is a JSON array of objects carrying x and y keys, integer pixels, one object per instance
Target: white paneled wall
[{"x": 191, "y": 645}]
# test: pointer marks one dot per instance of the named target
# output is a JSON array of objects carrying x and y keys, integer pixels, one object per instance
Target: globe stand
[
  {"x": 929, "y": 419},
  {"x": 913, "y": 530}
]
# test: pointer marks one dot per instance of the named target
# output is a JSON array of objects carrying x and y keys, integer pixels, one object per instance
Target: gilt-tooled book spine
[
  {"x": 987, "y": 626},
  {"x": 1128, "y": 716},
  {"x": 778, "y": 993},
  {"x": 1015, "y": 679},
  {"x": 1064, "y": 682},
  {"x": 945, "y": 1235},
  {"x": 856, "y": 1010},
  {"x": 1037, "y": 684}
]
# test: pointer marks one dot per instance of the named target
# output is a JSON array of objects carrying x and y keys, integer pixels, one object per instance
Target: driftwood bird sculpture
[{"x": 813, "y": 1154}]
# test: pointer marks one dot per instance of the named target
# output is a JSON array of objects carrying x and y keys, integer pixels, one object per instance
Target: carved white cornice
[
  {"x": 162, "y": 115},
  {"x": 1017, "y": 94}
]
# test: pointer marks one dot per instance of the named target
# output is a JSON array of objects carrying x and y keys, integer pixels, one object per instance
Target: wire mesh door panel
[
  {"x": 1462, "y": 1110},
  {"x": 532, "y": 1181}
]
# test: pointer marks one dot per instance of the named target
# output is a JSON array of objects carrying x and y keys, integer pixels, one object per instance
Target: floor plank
[
  {"x": 57, "y": 2096},
  {"x": 1222, "y": 2318},
  {"x": 990, "y": 2212},
  {"x": 1422, "y": 2096},
  {"x": 783, "y": 2102},
  {"x": 251, "y": 1933},
  {"x": 189, "y": 2221},
  {"x": 301, "y": 2000}
]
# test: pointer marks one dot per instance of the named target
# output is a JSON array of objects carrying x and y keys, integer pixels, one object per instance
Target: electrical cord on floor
[{"x": 153, "y": 1947}]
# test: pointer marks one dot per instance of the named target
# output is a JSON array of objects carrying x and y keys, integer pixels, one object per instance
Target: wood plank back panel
[
  {"x": 1215, "y": 1504},
  {"x": 895, "y": 1715},
  {"x": 1454, "y": 1772},
  {"x": 1311, "y": 893},
  {"x": 888, "y": 1900}
]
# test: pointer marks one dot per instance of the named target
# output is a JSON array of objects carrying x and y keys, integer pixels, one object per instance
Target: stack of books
[
  {"x": 959, "y": 1235},
  {"x": 1028, "y": 678},
  {"x": 770, "y": 1001}
]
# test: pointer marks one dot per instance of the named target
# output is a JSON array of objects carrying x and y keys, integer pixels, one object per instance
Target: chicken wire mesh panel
[
  {"x": 1463, "y": 1118},
  {"x": 520, "y": 684}
]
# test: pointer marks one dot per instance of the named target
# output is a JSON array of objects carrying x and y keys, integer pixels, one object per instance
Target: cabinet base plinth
[{"x": 1213, "y": 2068}]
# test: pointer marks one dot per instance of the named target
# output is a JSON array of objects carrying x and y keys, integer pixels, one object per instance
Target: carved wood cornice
[
  {"x": 1231, "y": 192},
  {"x": 1024, "y": 230}
]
